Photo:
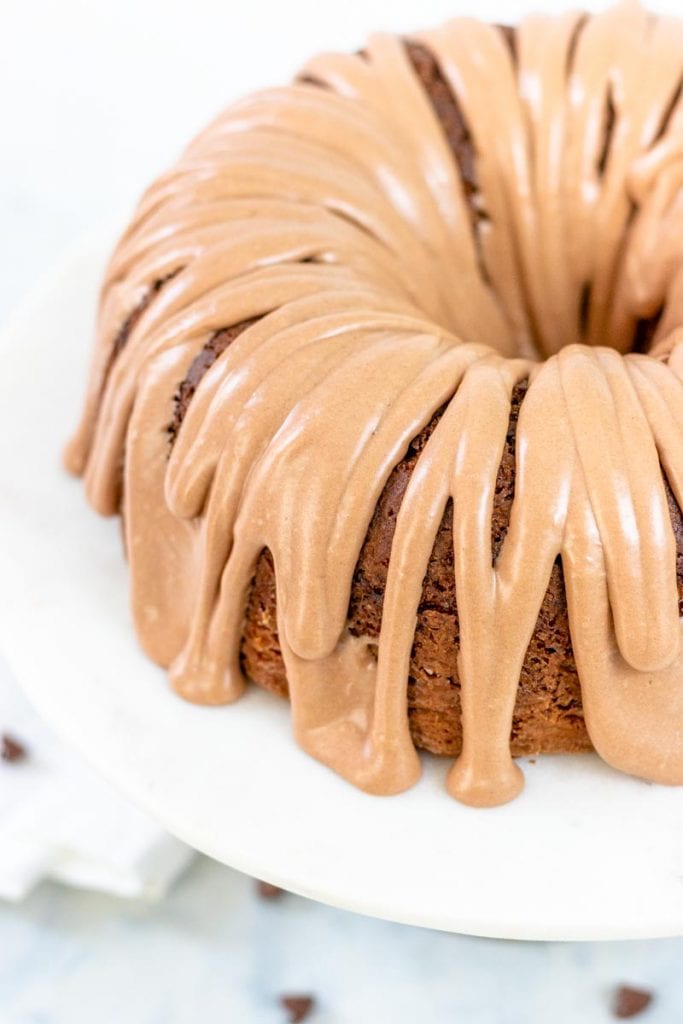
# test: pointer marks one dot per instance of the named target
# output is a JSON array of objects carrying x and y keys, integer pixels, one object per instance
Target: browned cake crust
[{"x": 548, "y": 714}]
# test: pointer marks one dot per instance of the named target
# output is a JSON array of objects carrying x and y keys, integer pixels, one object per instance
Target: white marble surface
[
  {"x": 214, "y": 953},
  {"x": 95, "y": 97}
]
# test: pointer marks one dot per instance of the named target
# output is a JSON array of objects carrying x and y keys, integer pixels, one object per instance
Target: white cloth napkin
[{"x": 59, "y": 819}]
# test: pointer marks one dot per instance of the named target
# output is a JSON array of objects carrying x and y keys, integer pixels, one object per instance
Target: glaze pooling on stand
[{"x": 330, "y": 221}]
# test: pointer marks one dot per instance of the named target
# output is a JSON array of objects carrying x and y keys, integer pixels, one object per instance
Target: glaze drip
[{"x": 353, "y": 279}]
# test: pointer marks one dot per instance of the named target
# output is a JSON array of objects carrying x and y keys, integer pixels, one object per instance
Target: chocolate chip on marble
[
  {"x": 298, "y": 1007},
  {"x": 266, "y": 891},
  {"x": 11, "y": 749},
  {"x": 629, "y": 1001}
]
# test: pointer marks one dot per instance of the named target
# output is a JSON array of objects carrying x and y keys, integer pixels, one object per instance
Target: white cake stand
[{"x": 583, "y": 853}]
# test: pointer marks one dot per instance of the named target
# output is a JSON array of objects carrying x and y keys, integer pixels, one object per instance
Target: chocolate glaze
[{"x": 202, "y": 362}]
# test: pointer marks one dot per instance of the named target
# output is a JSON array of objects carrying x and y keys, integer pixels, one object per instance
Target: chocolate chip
[
  {"x": 298, "y": 1007},
  {"x": 266, "y": 891},
  {"x": 12, "y": 750},
  {"x": 629, "y": 1002}
]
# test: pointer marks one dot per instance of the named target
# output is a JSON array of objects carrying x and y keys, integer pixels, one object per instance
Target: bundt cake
[{"x": 388, "y": 391}]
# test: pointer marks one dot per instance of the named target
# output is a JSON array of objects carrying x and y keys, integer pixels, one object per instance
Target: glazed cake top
[{"x": 377, "y": 279}]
